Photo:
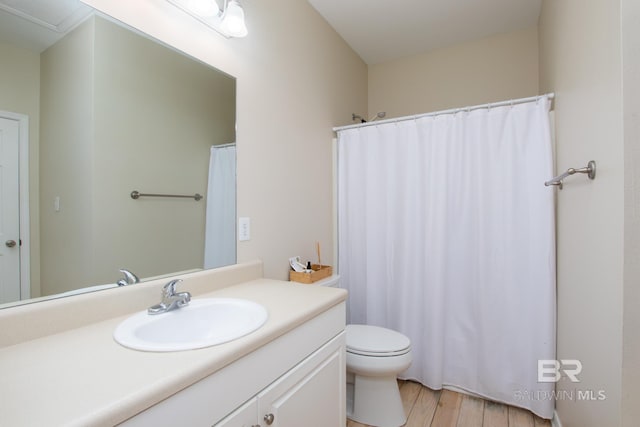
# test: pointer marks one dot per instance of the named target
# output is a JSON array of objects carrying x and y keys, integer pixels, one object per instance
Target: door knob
[
  {"x": 10, "y": 243},
  {"x": 269, "y": 419}
]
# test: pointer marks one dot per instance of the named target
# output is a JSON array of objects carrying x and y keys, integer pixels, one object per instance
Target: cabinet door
[
  {"x": 311, "y": 395},
  {"x": 244, "y": 416}
]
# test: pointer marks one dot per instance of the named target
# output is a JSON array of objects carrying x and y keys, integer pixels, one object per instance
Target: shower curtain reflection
[{"x": 220, "y": 235}]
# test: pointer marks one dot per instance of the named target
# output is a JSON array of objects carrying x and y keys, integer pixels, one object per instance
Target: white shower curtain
[
  {"x": 446, "y": 233},
  {"x": 220, "y": 228}
]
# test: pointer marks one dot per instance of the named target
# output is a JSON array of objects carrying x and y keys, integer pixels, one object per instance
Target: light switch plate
[{"x": 244, "y": 228}]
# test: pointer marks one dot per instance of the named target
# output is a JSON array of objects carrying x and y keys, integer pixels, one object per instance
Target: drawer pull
[{"x": 269, "y": 419}]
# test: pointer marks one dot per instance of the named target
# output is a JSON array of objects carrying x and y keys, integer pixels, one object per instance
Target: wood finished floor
[{"x": 443, "y": 408}]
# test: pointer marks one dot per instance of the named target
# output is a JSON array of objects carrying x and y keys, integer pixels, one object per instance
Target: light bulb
[{"x": 233, "y": 20}]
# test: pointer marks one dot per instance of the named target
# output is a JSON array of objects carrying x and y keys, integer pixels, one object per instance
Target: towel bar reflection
[
  {"x": 590, "y": 170},
  {"x": 135, "y": 194}
]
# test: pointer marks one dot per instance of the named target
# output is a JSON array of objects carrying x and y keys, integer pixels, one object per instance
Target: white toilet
[{"x": 375, "y": 356}]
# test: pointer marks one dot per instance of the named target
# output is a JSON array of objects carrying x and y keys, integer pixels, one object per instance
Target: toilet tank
[{"x": 331, "y": 281}]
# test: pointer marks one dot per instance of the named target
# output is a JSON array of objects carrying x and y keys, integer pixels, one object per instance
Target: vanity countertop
[{"x": 82, "y": 377}]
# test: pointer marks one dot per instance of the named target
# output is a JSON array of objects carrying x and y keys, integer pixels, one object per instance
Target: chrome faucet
[
  {"x": 129, "y": 278},
  {"x": 170, "y": 299}
]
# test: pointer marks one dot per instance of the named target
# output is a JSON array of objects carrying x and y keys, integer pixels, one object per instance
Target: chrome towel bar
[
  {"x": 590, "y": 170},
  {"x": 135, "y": 194}
]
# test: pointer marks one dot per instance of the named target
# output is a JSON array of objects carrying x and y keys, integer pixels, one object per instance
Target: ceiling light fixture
[
  {"x": 204, "y": 8},
  {"x": 229, "y": 21},
  {"x": 233, "y": 20}
]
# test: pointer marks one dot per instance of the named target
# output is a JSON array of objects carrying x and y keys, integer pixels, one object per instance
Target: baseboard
[{"x": 555, "y": 421}]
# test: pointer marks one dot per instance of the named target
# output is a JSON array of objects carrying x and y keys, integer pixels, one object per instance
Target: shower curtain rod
[{"x": 450, "y": 111}]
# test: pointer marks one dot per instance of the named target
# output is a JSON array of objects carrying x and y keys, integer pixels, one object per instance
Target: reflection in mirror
[{"x": 108, "y": 111}]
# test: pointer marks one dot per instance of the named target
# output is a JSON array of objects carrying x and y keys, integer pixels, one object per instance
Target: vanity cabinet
[
  {"x": 312, "y": 394},
  {"x": 293, "y": 367},
  {"x": 244, "y": 416},
  {"x": 295, "y": 380}
]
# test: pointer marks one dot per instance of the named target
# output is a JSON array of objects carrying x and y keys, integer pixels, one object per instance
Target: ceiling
[
  {"x": 37, "y": 24},
  {"x": 377, "y": 30},
  {"x": 381, "y": 31}
]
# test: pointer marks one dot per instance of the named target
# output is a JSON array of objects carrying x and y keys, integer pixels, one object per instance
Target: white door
[{"x": 9, "y": 210}]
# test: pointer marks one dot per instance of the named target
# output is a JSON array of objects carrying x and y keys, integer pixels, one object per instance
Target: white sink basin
[{"x": 203, "y": 323}]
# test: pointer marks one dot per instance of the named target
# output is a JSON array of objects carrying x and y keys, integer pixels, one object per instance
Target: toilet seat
[{"x": 374, "y": 341}]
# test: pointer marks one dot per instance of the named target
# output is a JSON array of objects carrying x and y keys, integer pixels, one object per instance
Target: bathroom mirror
[{"x": 111, "y": 111}]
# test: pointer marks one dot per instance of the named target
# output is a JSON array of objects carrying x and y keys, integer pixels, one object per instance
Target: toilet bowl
[{"x": 375, "y": 356}]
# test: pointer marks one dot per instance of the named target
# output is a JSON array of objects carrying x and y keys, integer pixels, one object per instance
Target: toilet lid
[{"x": 371, "y": 340}]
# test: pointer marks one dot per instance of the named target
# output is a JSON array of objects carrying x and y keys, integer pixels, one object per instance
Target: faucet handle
[
  {"x": 169, "y": 289},
  {"x": 170, "y": 298},
  {"x": 129, "y": 278}
]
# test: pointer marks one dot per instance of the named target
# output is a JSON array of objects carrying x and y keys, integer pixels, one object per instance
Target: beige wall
[
  {"x": 630, "y": 13},
  {"x": 20, "y": 93},
  {"x": 496, "y": 68},
  {"x": 580, "y": 60},
  {"x": 66, "y": 161},
  {"x": 296, "y": 79},
  {"x": 19, "y": 80}
]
